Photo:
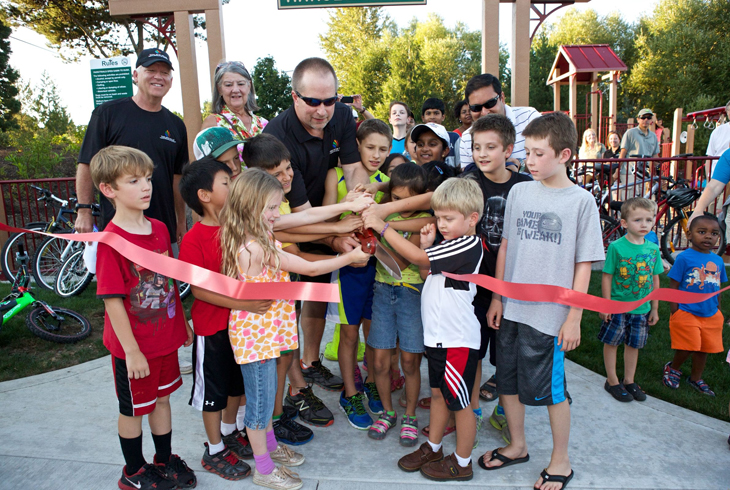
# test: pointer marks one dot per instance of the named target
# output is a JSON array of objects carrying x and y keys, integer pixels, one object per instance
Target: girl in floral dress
[{"x": 252, "y": 254}]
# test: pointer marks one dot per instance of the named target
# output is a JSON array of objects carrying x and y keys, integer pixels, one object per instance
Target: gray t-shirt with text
[{"x": 548, "y": 231}]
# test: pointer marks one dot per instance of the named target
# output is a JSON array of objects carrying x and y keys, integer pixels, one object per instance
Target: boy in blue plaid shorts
[{"x": 631, "y": 272}]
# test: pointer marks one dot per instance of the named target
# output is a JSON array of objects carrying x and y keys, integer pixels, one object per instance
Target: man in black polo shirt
[{"x": 318, "y": 131}]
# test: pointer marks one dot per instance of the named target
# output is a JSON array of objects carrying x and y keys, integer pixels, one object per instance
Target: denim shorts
[
  {"x": 259, "y": 378},
  {"x": 397, "y": 315},
  {"x": 625, "y": 328}
]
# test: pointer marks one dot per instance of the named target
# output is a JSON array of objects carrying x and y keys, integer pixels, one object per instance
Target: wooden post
[
  {"x": 520, "y": 53},
  {"x": 3, "y": 234},
  {"x": 556, "y": 92},
  {"x": 573, "y": 104},
  {"x": 595, "y": 108},
  {"x": 216, "y": 46},
  {"x": 188, "y": 75},
  {"x": 689, "y": 148},
  {"x": 490, "y": 37},
  {"x": 613, "y": 100},
  {"x": 676, "y": 131}
]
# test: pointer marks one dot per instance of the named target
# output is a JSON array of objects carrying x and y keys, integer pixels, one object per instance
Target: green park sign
[
  {"x": 303, "y": 4},
  {"x": 111, "y": 79}
]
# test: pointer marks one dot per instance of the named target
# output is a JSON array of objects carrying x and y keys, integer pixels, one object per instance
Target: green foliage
[
  {"x": 375, "y": 58},
  {"x": 9, "y": 103},
  {"x": 42, "y": 107},
  {"x": 273, "y": 88}
]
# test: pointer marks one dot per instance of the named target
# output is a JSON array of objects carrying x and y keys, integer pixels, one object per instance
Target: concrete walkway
[{"x": 58, "y": 431}]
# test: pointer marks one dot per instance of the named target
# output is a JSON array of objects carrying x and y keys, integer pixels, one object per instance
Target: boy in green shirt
[{"x": 630, "y": 273}]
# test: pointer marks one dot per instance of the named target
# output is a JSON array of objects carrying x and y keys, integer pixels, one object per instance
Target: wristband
[
  {"x": 84, "y": 206},
  {"x": 382, "y": 232}
]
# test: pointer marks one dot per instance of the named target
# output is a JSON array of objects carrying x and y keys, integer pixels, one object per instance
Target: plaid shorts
[{"x": 625, "y": 328}]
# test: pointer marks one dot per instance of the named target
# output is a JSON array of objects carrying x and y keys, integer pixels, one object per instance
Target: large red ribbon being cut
[
  {"x": 202, "y": 278},
  {"x": 543, "y": 293}
]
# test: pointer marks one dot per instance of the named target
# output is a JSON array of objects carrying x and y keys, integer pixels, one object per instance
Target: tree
[
  {"x": 42, "y": 108},
  {"x": 273, "y": 88},
  {"x": 80, "y": 27},
  {"x": 9, "y": 103}
]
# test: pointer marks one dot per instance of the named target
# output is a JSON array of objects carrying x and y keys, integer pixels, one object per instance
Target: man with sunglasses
[
  {"x": 484, "y": 96},
  {"x": 319, "y": 132},
  {"x": 639, "y": 141}
]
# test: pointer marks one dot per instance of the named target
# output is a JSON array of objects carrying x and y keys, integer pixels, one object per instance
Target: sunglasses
[
  {"x": 488, "y": 104},
  {"x": 312, "y": 102},
  {"x": 225, "y": 64},
  {"x": 647, "y": 116}
]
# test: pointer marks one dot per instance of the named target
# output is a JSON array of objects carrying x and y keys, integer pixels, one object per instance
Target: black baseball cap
[{"x": 151, "y": 56}]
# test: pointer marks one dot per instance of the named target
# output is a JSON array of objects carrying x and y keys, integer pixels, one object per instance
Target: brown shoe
[
  {"x": 447, "y": 469},
  {"x": 424, "y": 454}
]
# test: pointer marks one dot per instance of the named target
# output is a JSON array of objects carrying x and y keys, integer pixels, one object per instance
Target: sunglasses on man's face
[
  {"x": 312, "y": 102},
  {"x": 647, "y": 116},
  {"x": 487, "y": 105}
]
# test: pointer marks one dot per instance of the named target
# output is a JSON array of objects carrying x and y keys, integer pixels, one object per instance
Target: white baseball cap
[{"x": 436, "y": 129}]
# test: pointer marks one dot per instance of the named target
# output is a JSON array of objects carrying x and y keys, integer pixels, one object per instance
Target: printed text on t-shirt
[{"x": 544, "y": 227}]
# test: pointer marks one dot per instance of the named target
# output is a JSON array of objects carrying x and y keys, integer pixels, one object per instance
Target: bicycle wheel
[
  {"x": 611, "y": 230},
  {"x": 48, "y": 259},
  {"x": 7, "y": 261},
  {"x": 184, "y": 290},
  {"x": 675, "y": 240},
  {"x": 70, "y": 327},
  {"x": 73, "y": 277}
]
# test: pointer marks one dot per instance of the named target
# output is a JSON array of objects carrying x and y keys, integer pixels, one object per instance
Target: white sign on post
[{"x": 111, "y": 79}]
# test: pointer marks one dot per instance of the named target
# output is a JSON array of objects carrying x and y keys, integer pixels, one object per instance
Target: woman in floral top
[{"x": 234, "y": 102}]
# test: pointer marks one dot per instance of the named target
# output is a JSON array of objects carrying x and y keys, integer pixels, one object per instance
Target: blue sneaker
[
  {"x": 374, "y": 403},
  {"x": 353, "y": 407}
]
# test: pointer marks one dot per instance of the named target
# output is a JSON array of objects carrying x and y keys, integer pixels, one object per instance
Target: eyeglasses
[
  {"x": 488, "y": 104},
  {"x": 224, "y": 64},
  {"x": 647, "y": 116},
  {"x": 312, "y": 102}
]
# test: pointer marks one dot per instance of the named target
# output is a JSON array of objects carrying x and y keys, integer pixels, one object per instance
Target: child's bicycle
[{"x": 47, "y": 322}]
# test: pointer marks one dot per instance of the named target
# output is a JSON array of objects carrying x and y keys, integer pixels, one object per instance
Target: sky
[{"x": 256, "y": 28}]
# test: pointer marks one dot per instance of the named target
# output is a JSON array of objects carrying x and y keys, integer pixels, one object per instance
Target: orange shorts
[{"x": 696, "y": 334}]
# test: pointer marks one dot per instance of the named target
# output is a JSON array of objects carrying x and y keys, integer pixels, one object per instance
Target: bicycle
[{"x": 47, "y": 322}]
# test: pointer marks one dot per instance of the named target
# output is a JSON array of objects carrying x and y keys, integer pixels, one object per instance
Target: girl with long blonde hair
[
  {"x": 251, "y": 254},
  {"x": 591, "y": 147}
]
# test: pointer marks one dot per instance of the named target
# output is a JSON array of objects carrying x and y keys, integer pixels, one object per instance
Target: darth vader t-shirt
[{"x": 489, "y": 228}]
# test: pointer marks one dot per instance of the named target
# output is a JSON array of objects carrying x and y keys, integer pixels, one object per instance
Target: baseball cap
[
  {"x": 643, "y": 112},
  {"x": 437, "y": 129},
  {"x": 213, "y": 141},
  {"x": 150, "y": 56}
]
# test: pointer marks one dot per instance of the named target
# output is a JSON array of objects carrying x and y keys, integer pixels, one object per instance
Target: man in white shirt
[
  {"x": 719, "y": 141},
  {"x": 484, "y": 95}
]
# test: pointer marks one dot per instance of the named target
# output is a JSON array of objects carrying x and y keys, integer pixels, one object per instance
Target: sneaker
[
  {"x": 290, "y": 412},
  {"x": 479, "y": 421},
  {"x": 178, "y": 472},
  {"x": 380, "y": 428},
  {"x": 618, "y": 392},
  {"x": 701, "y": 386},
  {"x": 318, "y": 374},
  {"x": 185, "y": 367},
  {"x": 291, "y": 433},
  {"x": 408, "y": 431},
  {"x": 238, "y": 443},
  {"x": 447, "y": 469},
  {"x": 225, "y": 464},
  {"x": 635, "y": 391},
  {"x": 359, "y": 386},
  {"x": 149, "y": 477},
  {"x": 310, "y": 408},
  {"x": 282, "y": 478},
  {"x": 421, "y": 456},
  {"x": 499, "y": 422},
  {"x": 353, "y": 407},
  {"x": 671, "y": 376},
  {"x": 374, "y": 403},
  {"x": 284, "y": 455}
]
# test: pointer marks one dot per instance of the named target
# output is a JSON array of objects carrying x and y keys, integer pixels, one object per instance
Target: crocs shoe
[
  {"x": 408, "y": 431},
  {"x": 635, "y": 391},
  {"x": 671, "y": 376},
  {"x": 701, "y": 386},
  {"x": 225, "y": 464},
  {"x": 355, "y": 411},
  {"x": 178, "y": 472},
  {"x": 380, "y": 428},
  {"x": 374, "y": 403},
  {"x": 618, "y": 392}
]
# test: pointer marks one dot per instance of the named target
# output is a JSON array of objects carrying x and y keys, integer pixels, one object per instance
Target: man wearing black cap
[{"x": 140, "y": 122}]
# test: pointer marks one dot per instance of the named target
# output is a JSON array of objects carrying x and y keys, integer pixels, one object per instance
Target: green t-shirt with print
[
  {"x": 411, "y": 274},
  {"x": 633, "y": 268}
]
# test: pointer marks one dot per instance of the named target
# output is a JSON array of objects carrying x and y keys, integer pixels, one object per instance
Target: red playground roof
[{"x": 584, "y": 60}]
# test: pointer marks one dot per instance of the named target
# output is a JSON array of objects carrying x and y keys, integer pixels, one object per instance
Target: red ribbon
[
  {"x": 543, "y": 293},
  {"x": 197, "y": 276}
]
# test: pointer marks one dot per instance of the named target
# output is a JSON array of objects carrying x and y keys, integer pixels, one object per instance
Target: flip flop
[
  {"x": 504, "y": 459},
  {"x": 555, "y": 478},
  {"x": 447, "y": 430},
  {"x": 425, "y": 403}
]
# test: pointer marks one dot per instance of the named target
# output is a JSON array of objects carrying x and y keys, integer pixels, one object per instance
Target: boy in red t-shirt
[
  {"x": 217, "y": 380},
  {"x": 144, "y": 323}
]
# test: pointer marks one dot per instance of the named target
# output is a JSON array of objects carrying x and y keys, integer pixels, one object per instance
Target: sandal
[
  {"x": 402, "y": 401},
  {"x": 448, "y": 430},
  {"x": 555, "y": 478},
  {"x": 488, "y": 391},
  {"x": 397, "y": 380},
  {"x": 425, "y": 403},
  {"x": 504, "y": 459}
]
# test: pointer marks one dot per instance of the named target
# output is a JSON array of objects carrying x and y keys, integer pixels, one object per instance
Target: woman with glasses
[{"x": 234, "y": 102}]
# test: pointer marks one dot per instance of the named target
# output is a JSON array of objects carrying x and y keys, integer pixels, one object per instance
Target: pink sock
[
  {"x": 271, "y": 441},
  {"x": 264, "y": 464}
]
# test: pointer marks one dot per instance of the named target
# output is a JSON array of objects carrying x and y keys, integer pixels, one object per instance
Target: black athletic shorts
[
  {"x": 488, "y": 336},
  {"x": 319, "y": 249},
  {"x": 216, "y": 376},
  {"x": 452, "y": 370},
  {"x": 530, "y": 364}
]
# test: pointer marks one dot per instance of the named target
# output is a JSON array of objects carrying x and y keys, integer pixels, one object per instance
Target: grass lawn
[
  {"x": 23, "y": 354},
  {"x": 653, "y": 357}
]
